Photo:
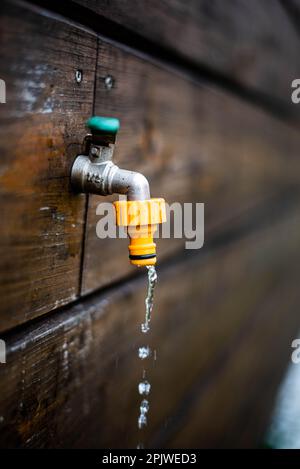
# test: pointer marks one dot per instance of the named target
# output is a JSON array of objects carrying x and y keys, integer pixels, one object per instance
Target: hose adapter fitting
[{"x": 141, "y": 218}]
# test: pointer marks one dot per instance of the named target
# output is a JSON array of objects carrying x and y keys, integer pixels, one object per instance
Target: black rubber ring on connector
[{"x": 142, "y": 256}]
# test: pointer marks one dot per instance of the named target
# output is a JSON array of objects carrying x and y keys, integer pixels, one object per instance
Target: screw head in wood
[
  {"x": 78, "y": 76},
  {"x": 109, "y": 82}
]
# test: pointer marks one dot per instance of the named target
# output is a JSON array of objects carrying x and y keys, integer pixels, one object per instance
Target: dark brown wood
[
  {"x": 292, "y": 8},
  {"x": 224, "y": 316},
  {"x": 42, "y": 126},
  {"x": 231, "y": 157},
  {"x": 222, "y": 328},
  {"x": 194, "y": 143},
  {"x": 252, "y": 42}
]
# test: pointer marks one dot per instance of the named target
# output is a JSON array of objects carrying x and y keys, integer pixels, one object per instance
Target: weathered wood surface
[
  {"x": 252, "y": 42},
  {"x": 222, "y": 328},
  {"x": 194, "y": 143},
  {"x": 42, "y": 126},
  {"x": 224, "y": 317}
]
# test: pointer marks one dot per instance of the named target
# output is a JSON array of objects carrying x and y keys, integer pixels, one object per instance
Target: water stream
[
  {"x": 152, "y": 279},
  {"x": 145, "y": 352}
]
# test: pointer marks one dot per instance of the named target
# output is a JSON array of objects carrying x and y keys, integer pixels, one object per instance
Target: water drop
[
  {"x": 145, "y": 328},
  {"x": 144, "y": 407},
  {"x": 144, "y": 387},
  {"x": 144, "y": 352},
  {"x": 142, "y": 422}
]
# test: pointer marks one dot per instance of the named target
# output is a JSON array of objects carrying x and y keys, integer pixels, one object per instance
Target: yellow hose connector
[{"x": 141, "y": 218}]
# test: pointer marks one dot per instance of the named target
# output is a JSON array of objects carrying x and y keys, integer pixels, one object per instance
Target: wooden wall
[{"x": 202, "y": 90}]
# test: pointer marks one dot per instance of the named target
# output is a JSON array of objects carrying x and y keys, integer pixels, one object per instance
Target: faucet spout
[
  {"x": 95, "y": 176},
  {"x": 134, "y": 185}
]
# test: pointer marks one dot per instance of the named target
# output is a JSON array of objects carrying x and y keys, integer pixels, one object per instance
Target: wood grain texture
[
  {"x": 42, "y": 126},
  {"x": 194, "y": 143},
  {"x": 253, "y": 42},
  {"x": 222, "y": 329}
]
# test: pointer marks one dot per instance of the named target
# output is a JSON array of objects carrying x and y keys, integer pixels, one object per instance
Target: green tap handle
[{"x": 103, "y": 125}]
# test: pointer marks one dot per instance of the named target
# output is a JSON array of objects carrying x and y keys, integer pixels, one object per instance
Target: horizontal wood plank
[
  {"x": 253, "y": 43},
  {"x": 222, "y": 327},
  {"x": 194, "y": 143},
  {"x": 42, "y": 127}
]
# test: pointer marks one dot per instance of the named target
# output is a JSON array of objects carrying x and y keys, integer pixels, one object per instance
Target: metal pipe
[
  {"x": 104, "y": 178},
  {"x": 130, "y": 183}
]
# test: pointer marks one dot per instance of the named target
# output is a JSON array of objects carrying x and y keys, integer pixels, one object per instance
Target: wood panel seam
[{"x": 84, "y": 232}]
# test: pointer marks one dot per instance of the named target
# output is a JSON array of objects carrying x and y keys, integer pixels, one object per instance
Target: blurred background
[{"x": 206, "y": 95}]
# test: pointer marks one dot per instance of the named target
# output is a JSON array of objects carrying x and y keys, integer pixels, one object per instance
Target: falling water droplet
[
  {"x": 144, "y": 352},
  {"x": 145, "y": 328},
  {"x": 144, "y": 407},
  {"x": 142, "y": 422},
  {"x": 144, "y": 388}
]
